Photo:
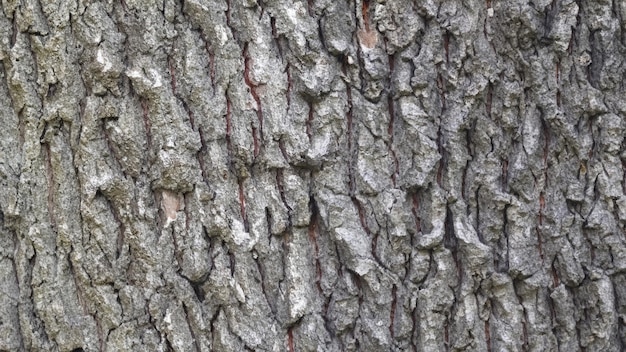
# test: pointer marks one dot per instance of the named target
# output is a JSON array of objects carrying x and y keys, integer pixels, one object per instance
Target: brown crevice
[
  {"x": 524, "y": 322},
  {"x": 501, "y": 260},
  {"x": 539, "y": 244},
  {"x": 555, "y": 275},
  {"x": 362, "y": 220},
  {"x": 276, "y": 37},
  {"x": 242, "y": 205},
  {"x": 178, "y": 253},
  {"x": 310, "y": 4},
  {"x": 212, "y": 323},
  {"x": 524, "y": 335},
  {"x": 374, "y": 244},
  {"x": 558, "y": 77},
  {"x": 281, "y": 189},
  {"x": 261, "y": 270},
  {"x": 192, "y": 119},
  {"x": 368, "y": 231},
  {"x": 231, "y": 261},
  {"x": 555, "y": 324},
  {"x": 255, "y": 141},
  {"x": 253, "y": 91},
  {"x": 212, "y": 68},
  {"x": 172, "y": 70},
  {"x": 193, "y": 335},
  {"x": 505, "y": 175},
  {"x": 469, "y": 137},
  {"x": 211, "y": 53},
  {"x": 21, "y": 119},
  {"x": 477, "y": 225},
  {"x": 390, "y": 132},
  {"x": 573, "y": 40},
  {"x": 213, "y": 320},
  {"x": 227, "y": 13},
  {"x": 289, "y": 85},
  {"x": 349, "y": 128},
  {"x": 51, "y": 186},
  {"x": 15, "y": 30},
  {"x": 268, "y": 223},
  {"x": 414, "y": 330},
  {"x": 489, "y": 99},
  {"x": 365, "y": 4},
  {"x": 283, "y": 149},
  {"x": 546, "y": 147},
  {"x": 451, "y": 242},
  {"x": 313, "y": 234},
  {"x": 485, "y": 31},
  {"x": 197, "y": 287},
  {"x": 290, "y": 341},
  {"x": 441, "y": 89},
  {"x": 259, "y": 3},
  {"x": 163, "y": 337},
  {"x": 146, "y": 121},
  {"x": 542, "y": 205},
  {"x": 81, "y": 301},
  {"x": 542, "y": 193},
  {"x": 320, "y": 33},
  {"x": 200, "y": 155},
  {"x": 111, "y": 147},
  {"x": 443, "y": 161},
  {"x": 309, "y": 122},
  {"x": 79, "y": 292},
  {"x": 118, "y": 219},
  {"x": 15, "y": 278},
  {"x": 327, "y": 323}
]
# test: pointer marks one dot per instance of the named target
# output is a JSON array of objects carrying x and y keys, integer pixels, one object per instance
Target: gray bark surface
[{"x": 312, "y": 175}]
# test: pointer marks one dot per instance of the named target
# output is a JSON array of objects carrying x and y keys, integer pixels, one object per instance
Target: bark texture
[{"x": 321, "y": 175}]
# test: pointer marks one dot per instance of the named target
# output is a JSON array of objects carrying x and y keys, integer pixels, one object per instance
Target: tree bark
[{"x": 312, "y": 175}]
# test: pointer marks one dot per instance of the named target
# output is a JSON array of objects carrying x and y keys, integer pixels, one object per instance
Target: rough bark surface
[{"x": 315, "y": 175}]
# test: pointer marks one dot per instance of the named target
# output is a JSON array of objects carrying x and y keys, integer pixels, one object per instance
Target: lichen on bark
[{"x": 312, "y": 175}]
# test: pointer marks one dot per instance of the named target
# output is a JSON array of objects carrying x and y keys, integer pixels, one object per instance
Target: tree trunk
[{"x": 321, "y": 175}]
